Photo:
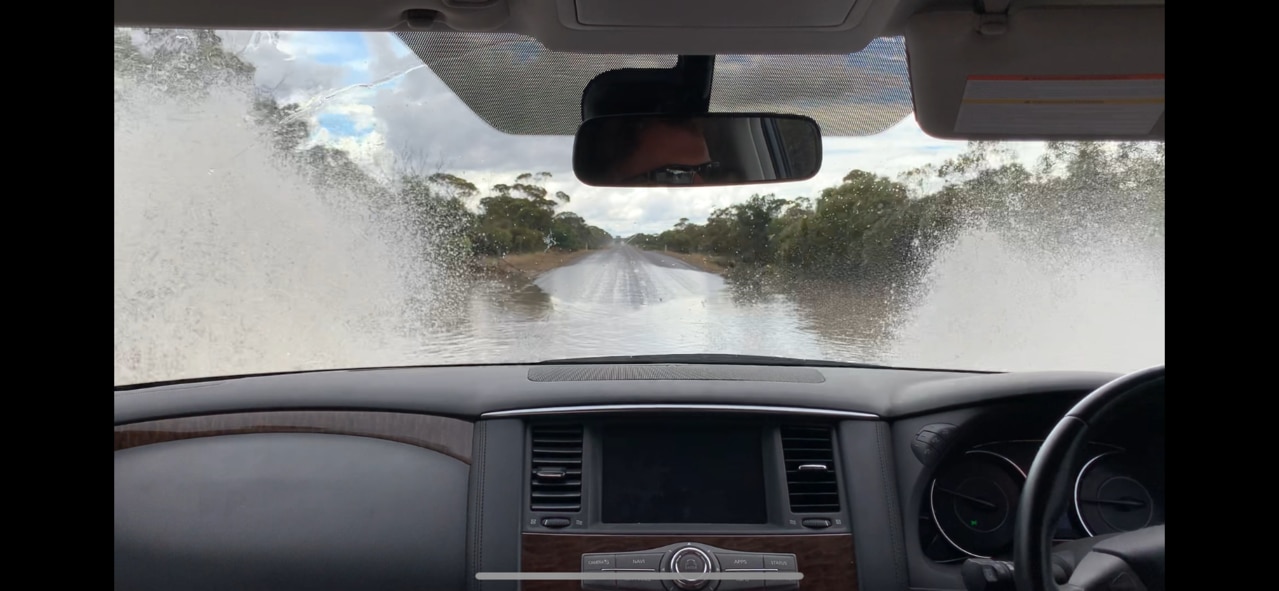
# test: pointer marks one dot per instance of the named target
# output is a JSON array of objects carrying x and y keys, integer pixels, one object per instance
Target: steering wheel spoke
[
  {"x": 1131, "y": 561},
  {"x": 1103, "y": 572}
]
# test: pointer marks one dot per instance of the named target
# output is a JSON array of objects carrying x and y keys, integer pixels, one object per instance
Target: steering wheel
[{"x": 1126, "y": 561}]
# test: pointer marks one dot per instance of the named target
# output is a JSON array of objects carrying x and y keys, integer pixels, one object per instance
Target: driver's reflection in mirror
[{"x": 664, "y": 151}]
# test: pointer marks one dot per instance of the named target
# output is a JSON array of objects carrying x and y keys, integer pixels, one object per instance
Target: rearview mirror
[{"x": 715, "y": 149}]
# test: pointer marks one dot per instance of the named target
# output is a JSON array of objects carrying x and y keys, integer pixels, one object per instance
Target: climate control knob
[{"x": 690, "y": 560}]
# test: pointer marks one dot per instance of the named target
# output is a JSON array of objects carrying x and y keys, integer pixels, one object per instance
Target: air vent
[
  {"x": 810, "y": 469},
  {"x": 556, "y": 485}
]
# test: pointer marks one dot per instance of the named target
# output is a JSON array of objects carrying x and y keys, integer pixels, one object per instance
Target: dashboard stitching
[
  {"x": 592, "y": 373},
  {"x": 890, "y": 495},
  {"x": 480, "y": 461}
]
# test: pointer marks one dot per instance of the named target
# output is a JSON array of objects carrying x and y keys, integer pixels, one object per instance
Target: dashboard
[{"x": 622, "y": 477}]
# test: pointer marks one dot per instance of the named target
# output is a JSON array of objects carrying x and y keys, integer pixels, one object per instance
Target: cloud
[
  {"x": 356, "y": 116},
  {"x": 296, "y": 66}
]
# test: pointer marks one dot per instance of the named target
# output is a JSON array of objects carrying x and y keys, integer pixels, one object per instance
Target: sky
[{"x": 370, "y": 95}]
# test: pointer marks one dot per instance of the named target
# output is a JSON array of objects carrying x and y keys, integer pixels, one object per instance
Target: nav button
[{"x": 638, "y": 561}]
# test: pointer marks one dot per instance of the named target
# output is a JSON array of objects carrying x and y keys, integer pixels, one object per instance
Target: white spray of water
[
  {"x": 228, "y": 262},
  {"x": 994, "y": 301}
]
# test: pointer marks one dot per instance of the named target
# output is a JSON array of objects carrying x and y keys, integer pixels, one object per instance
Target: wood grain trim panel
[
  {"x": 827, "y": 560},
  {"x": 442, "y": 434}
]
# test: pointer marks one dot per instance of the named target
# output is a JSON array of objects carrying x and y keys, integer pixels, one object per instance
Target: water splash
[
  {"x": 1002, "y": 300},
  {"x": 251, "y": 268}
]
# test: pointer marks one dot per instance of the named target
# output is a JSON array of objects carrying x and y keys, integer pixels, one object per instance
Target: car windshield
[{"x": 310, "y": 200}]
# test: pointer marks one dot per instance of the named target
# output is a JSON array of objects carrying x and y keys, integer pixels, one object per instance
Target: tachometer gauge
[
  {"x": 1113, "y": 496},
  {"x": 974, "y": 501}
]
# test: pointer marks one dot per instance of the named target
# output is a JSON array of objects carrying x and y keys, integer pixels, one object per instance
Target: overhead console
[{"x": 686, "y": 503}]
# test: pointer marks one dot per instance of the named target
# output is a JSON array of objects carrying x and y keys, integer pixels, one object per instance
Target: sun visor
[
  {"x": 1077, "y": 73},
  {"x": 518, "y": 86}
]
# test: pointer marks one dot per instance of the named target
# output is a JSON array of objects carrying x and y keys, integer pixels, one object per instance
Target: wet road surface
[
  {"x": 662, "y": 260},
  {"x": 622, "y": 301},
  {"x": 628, "y": 277}
]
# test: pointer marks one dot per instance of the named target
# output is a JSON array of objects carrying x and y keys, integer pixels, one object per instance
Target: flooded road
[{"x": 624, "y": 301}]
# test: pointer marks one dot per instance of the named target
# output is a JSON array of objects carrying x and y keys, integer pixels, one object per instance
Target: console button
[
  {"x": 594, "y": 563},
  {"x": 925, "y": 452},
  {"x": 781, "y": 562},
  {"x": 784, "y": 563},
  {"x": 555, "y": 522},
  {"x": 740, "y": 563},
  {"x": 816, "y": 522},
  {"x": 597, "y": 562},
  {"x": 690, "y": 561},
  {"x": 730, "y": 561},
  {"x": 638, "y": 561}
]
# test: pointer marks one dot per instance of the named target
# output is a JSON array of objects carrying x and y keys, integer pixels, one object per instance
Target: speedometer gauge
[
  {"x": 1113, "y": 496},
  {"x": 974, "y": 501}
]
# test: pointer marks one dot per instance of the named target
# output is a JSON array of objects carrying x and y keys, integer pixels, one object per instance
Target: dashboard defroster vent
[
  {"x": 810, "y": 469},
  {"x": 556, "y": 481}
]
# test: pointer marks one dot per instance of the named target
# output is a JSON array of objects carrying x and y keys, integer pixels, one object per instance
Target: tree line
[{"x": 872, "y": 227}]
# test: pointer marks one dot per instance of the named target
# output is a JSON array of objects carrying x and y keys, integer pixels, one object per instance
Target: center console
[
  {"x": 685, "y": 503},
  {"x": 691, "y": 567}
]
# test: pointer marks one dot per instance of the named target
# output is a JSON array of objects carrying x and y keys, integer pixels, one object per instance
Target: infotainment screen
[{"x": 671, "y": 474}]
